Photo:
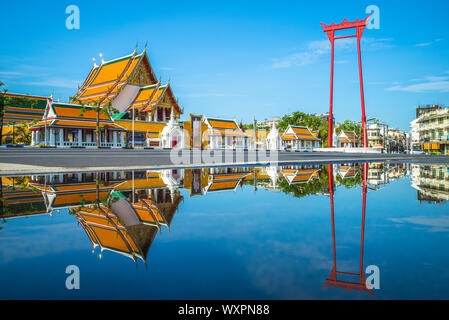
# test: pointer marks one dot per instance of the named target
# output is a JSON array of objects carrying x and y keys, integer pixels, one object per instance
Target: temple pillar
[
  {"x": 52, "y": 137},
  {"x": 33, "y": 138},
  {"x": 115, "y": 138},
  {"x": 61, "y": 137},
  {"x": 122, "y": 138},
  {"x": 80, "y": 137}
]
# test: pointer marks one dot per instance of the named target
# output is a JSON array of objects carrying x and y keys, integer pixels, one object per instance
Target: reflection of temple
[
  {"x": 300, "y": 174},
  {"x": 347, "y": 170},
  {"x": 226, "y": 179},
  {"x": 135, "y": 211},
  {"x": 73, "y": 189},
  {"x": 119, "y": 211},
  {"x": 432, "y": 182},
  {"x": 335, "y": 276},
  {"x": 18, "y": 200}
]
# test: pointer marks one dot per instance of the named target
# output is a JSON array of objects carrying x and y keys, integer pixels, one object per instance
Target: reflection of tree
[
  {"x": 301, "y": 190},
  {"x": 350, "y": 182}
]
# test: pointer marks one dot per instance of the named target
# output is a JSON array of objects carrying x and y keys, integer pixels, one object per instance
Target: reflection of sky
[{"x": 243, "y": 244}]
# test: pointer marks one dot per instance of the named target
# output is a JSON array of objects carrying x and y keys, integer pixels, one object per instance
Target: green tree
[
  {"x": 298, "y": 118},
  {"x": 349, "y": 125},
  {"x": 6, "y": 101},
  {"x": 23, "y": 134}
]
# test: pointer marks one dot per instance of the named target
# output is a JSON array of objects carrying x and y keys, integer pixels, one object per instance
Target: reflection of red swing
[
  {"x": 174, "y": 141},
  {"x": 332, "y": 280}
]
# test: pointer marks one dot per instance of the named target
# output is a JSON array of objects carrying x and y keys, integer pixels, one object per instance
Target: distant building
[
  {"x": 377, "y": 133},
  {"x": 348, "y": 139},
  {"x": 322, "y": 116},
  {"x": 397, "y": 140},
  {"x": 414, "y": 134},
  {"x": 297, "y": 138},
  {"x": 268, "y": 122},
  {"x": 225, "y": 134},
  {"x": 433, "y": 128},
  {"x": 425, "y": 109}
]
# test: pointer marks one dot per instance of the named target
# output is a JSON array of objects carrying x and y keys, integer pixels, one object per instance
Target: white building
[
  {"x": 297, "y": 138},
  {"x": 348, "y": 139},
  {"x": 70, "y": 125},
  {"x": 225, "y": 134}
]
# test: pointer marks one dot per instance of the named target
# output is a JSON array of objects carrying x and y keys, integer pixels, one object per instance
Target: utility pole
[
  {"x": 255, "y": 133},
  {"x": 134, "y": 115}
]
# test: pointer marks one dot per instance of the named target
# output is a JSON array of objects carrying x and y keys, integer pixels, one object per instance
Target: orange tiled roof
[
  {"x": 75, "y": 116},
  {"x": 154, "y": 129},
  {"x": 104, "y": 82},
  {"x": 144, "y": 96},
  {"x": 299, "y": 133},
  {"x": 222, "y": 124}
]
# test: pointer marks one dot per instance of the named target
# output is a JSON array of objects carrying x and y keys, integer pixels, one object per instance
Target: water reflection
[
  {"x": 123, "y": 212},
  {"x": 334, "y": 280}
]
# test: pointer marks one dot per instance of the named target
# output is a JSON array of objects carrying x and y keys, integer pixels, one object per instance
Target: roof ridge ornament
[
  {"x": 95, "y": 64},
  {"x": 345, "y": 24},
  {"x": 101, "y": 57}
]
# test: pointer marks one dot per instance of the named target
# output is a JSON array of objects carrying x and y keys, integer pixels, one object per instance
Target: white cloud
[
  {"x": 10, "y": 74},
  {"x": 59, "y": 83},
  {"x": 429, "y": 84},
  {"x": 425, "y": 44},
  {"x": 436, "y": 223}
]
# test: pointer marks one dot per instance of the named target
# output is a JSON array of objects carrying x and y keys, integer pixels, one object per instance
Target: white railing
[{"x": 87, "y": 144}]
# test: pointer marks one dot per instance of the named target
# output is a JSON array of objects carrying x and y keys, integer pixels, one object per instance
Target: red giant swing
[{"x": 333, "y": 280}]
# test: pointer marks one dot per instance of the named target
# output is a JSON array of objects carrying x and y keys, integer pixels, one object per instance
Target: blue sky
[{"x": 241, "y": 59}]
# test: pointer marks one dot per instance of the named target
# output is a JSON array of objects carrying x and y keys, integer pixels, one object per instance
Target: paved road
[{"x": 102, "y": 158}]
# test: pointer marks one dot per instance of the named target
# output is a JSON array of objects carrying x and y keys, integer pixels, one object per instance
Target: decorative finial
[
  {"x": 101, "y": 56},
  {"x": 95, "y": 64}
]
